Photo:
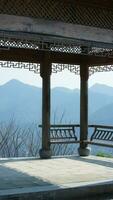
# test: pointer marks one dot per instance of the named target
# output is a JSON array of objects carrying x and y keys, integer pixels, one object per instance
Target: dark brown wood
[
  {"x": 99, "y": 144},
  {"x": 64, "y": 125},
  {"x": 61, "y": 140},
  {"x": 78, "y": 125},
  {"x": 65, "y": 142},
  {"x": 35, "y": 56},
  {"x": 100, "y": 126},
  {"x": 108, "y": 4},
  {"x": 45, "y": 74},
  {"x": 84, "y": 75},
  {"x": 62, "y": 134},
  {"x": 21, "y": 55}
]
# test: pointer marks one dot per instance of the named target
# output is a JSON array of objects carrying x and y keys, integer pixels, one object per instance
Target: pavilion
[{"x": 47, "y": 36}]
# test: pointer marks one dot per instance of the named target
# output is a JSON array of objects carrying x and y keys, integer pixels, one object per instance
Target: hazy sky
[{"x": 63, "y": 79}]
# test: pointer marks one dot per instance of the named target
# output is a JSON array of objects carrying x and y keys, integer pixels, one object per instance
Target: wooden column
[
  {"x": 84, "y": 75},
  {"x": 45, "y": 152}
]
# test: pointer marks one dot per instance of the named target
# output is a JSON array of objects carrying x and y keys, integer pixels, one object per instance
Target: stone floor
[{"x": 56, "y": 172}]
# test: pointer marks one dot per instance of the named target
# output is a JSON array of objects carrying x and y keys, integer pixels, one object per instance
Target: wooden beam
[
  {"x": 36, "y": 56},
  {"x": 77, "y": 59},
  {"x": 99, "y": 61},
  {"x": 56, "y": 29},
  {"x": 21, "y": 55}
]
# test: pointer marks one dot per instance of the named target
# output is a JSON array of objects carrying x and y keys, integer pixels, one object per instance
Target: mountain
[
  {"x": 19, "y": 101},
  {"x": 22, "y": 102},
  {"x": 103, "y": 116},
  {"x": 97, "y": 101},
  {"x": 104, "y": 102},
  {"x": 102, "y": 89},
  {"x": 65, "y": 105}
]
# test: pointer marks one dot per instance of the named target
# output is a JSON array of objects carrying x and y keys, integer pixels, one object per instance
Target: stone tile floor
[{"x": 24, "y": 173}]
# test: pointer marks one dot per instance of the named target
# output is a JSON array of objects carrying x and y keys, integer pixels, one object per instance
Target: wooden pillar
[
  {"x": 84, "y": 75},
  {"x": 45, "y": 73}
]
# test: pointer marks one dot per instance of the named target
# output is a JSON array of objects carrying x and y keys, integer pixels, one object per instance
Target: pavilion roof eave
[{"x": 27, "y": 28}]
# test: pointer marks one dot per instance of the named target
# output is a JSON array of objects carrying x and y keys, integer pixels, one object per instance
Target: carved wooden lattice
[
  {"x": 16, "y": 43},
  {"x": 60, "y": 67},
  {"x": 56, "y": 67},
  {"x": 26, "y": 43},
  {"x": 34, "y": 67},
  {"x": 95, "y": 69}
]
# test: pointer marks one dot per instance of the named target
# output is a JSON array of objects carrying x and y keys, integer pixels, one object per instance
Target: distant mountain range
[{"x": 22, "y": 102}]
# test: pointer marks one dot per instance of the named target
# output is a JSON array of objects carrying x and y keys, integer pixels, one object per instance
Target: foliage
[
  {"x": 102, "y": 154},
  {"x": 16, "y": 141}
]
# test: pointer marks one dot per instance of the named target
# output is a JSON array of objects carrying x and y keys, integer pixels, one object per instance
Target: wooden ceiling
[
  {"x": 85, "y": 21},
  {"x": 83, "y": 12},
  {"x": 96, "y": 3}
]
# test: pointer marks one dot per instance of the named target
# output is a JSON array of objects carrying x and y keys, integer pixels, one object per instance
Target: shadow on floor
[
  {"x": 11, "y": 178},
  {"x": 93, "y": 161}
]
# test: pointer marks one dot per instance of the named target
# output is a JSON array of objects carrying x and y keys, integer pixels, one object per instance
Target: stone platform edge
[{"x": 65, "y": 192}]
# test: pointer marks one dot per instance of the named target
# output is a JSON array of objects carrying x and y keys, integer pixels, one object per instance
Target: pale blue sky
[{"x": 63, "y": 79}]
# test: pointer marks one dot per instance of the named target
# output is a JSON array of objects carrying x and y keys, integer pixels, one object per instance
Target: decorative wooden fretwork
[
  {"x": 56, "y": 67},
  {"x": 76, "y": 68},
  {"x": 7, "y": 42},
  {"x": 94, "y": 69},
  {"x": 34, "y": 67},
  {"x": 18, "y": 43},
  {"x": 60, "y": 67},
  {"x": 77, "y": 12}
]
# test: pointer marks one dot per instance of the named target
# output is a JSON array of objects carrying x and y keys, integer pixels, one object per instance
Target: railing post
[
  {"x": 45, "y": 73},
  {"x": 84, "y": 75}
]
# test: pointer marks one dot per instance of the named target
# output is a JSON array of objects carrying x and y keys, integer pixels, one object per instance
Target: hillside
[{"x": 22, "y": 102}]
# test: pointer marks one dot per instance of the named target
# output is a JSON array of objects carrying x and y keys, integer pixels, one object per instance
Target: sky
[{"x": 61, "y": 79}]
